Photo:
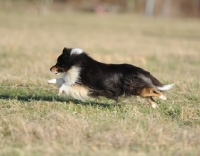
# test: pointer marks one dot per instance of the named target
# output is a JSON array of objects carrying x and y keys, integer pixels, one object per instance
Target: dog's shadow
[{"x": 30, "y": 98}]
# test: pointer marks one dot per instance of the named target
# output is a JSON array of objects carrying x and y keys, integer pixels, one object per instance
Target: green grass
[{"x": 35, "y": 121}]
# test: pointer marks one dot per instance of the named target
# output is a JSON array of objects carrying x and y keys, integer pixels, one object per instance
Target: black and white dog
[{"x": 84, "y": 76}]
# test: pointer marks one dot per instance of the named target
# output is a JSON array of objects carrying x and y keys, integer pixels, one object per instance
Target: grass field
[{"x": 35, "y": 121}]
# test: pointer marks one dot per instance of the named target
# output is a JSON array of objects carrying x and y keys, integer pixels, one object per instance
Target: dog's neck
[{"x": 72, "y": 75}]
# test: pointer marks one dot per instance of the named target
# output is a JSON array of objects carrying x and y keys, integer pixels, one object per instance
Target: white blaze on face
[{"x": 76, "y": 51}]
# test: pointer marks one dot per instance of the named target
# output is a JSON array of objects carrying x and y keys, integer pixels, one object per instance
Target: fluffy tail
[
  {"x": 148, "y": 81},
  {"x": 165, "y": 87}
]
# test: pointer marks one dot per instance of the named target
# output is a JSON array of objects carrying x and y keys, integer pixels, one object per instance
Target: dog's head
[{"x": 66, "y": 60}]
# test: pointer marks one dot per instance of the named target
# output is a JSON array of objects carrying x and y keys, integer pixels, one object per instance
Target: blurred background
[
  {"x": 163, "y": 8},
  {"x": 153, "y": 34},
  {"x": 161, "y": 36}
]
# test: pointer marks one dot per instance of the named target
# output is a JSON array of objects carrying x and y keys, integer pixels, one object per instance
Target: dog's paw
[
  {"x": 162, "y": 97},
  {"x": 154, "y": 105},
  {"x": 52, "y": 81},
  {"x": 60, "y": 93}
]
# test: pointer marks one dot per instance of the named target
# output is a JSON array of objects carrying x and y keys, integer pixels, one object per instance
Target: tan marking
[
  {"x": 53, "y": 69},
  {"x": 148, "y": 92}
]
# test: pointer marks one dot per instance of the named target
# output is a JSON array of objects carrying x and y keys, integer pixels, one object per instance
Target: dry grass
[{"x": 34, "y": 121}]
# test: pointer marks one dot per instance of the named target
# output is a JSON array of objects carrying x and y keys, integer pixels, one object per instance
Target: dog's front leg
[
  {"x": 52, "y": 81},
  {"x": 58, "y": 81},
  {"x": 61, "y": 89}
]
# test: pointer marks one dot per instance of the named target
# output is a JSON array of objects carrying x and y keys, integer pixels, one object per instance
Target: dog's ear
[{"x": 66, "y": 51}]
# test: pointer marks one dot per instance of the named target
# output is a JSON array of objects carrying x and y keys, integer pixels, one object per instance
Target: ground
[{"x": 35, "y": 121}]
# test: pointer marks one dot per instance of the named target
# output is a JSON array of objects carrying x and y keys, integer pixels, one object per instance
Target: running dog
[{"x": 82, "y": 76}]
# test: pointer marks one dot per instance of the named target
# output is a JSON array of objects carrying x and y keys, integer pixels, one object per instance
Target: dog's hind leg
[
  {"x": 152, "y": 92},
  {"x": 149, "y": 93},
  {"x": 152, "y": 102}
]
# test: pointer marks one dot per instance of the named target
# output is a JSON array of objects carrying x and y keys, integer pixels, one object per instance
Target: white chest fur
[
  {"x": 67, "y": 84},
  {"x": 70, "y": 87},
  {"x": 72, "y": 75}
]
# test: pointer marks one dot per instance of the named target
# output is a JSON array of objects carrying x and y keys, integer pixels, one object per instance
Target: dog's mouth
[
  {"x": 56, "y": 70},
  {"x": 57, "y": 73}
]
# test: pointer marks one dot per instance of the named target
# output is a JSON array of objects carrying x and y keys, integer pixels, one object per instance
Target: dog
[{"x": 82, "y": 76}]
